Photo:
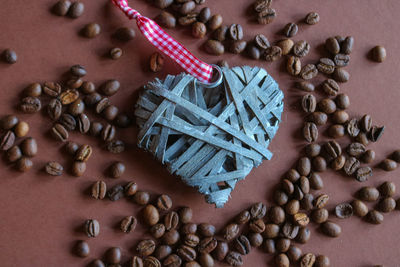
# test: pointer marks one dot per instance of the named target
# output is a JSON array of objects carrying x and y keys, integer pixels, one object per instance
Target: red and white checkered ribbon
[{"x": 164, "y": 42}]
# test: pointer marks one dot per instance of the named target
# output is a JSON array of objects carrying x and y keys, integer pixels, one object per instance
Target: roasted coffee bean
[
  {"x": 186, "y": 253},
  {"x": 336, "y": 131},
  {"x": 287, "y": 186},
  {"x": 387, "y": 204},
  {"x": 71, "y": 148},
  {"x": 332, "y": 45},
  {"x": 376, "y": 133},
  {"x": 359, "y": 208},
  {"x": 122, "y": 120},
  {"x": 290, "y": 230},
  {"x": 171, "y": 220},
  {"x": 257, "y": 226},
  {"x": 301, "y": 48},
  {"x": 172, "y": 260},
  {"x": 77, "y": 107},
  {"x": 162, "y": 252},
  {"x": 352, "y": 128},
  {"x": 304, "y": 184},
  {"x": 258, "y": 211},
  {"x": 269, "y": 246},
  {"x": 282, "y": 244},
  {"x": 108, "y": 132},
  {"x": 305, "y": 86},
  {"x": 191, "y": 240},
  {"x": 319, "y": 164},
  {"x": 316, "y": 182},
  {"x": 92, "y": 228},
  {"x": 83, "y": 123},
  {"x": 110, "y": 87},
  {"x": 255, "y": 239},
  {"x": 115, "y": 193},
  {"x": 266, "y": 16},
  {"x": 340, "y": 117},
  {"x": 188, "y": 19},
  {"x": 294, "y": 253},
  {"x": 326, "y": 66},
  {"x": 59, "y": 132},
  {"x": 387, "y": 189},
  {"x": 347, "y": 45},
  {"x": 327, "y": 106},
  {"x": 141, "y": 198},
  {"x": 368, "y": 157},
  {"x": 136, "y": 261},
  {"x": 157, "y": 230},
  {"x": 338, "y": 163},
  {"x": 280, "y": 197},
  {"x": 253, "y": 51},
  {"x": 187, "y": 7},
  {"x": 243, "y": 217},
  {"x": 271, "y": 230},
  {"x": 206, "y": 260},
  {"x": 221, "y": 250},
  {"x": 78, "y": 168},
  {"x": 307, "y": 202},
  {"x": 8, "y": 122},
  {"x": 293, "y": 65},
  {"x": 99, "y": 190},
  {"x": 68, "y": 96},
  {"x": 363, "y": 173},
  {"x": 286, "y": 45},
  {"x": 125, "y": 34},
  {"x": 344, "y": 210},
  {"x": 331, "y": 229},
  {"x": 396, "y": 156},
  {"x": 234, "y": 259},
  {"x": 272, "y": 53},
  {"x": 30, "y": 104},
  {"x": 368, "y": 193},
  {"x": 332, "y": 149},
  {"x": 199, "y": 29},
  {"x": 68, "y": 122},
  {"x": 290, "y": 29},
  {"x": 151, "y": 215},
  {"x": 10, "y": 56},
  {"x": 342, "y": 101},
  {"x": 351, "y": 165},
  {"x": 145, "y": 247},
  {"x": 189, "y": 228},
  {"x": 83, "y": 153},
  {"x": 262, "y": 41},
  {"x": 304, "y": 166},
  {"x": 281, "y": 260},
  {"x": 96, "y": 128},
  {"x": 215, "y": 22},
  {"x": 117, "y": 169},
  {"x": 276, "y": 215},
  {"x": 54, "y": 109},
  {"x": 341, "y": 75},
  {"x": 298, "y": 194},
  {"x": 356, "y": 149},
  {"x": 310, "y": 132},
  {"x": 78, "y": 70},
  {"x": 52, "y": 89},
  {"x": 204, "y": 14},
  {"x": 366, "y": 123},
  {"x": 61, "y": 7},
  {"x": 214, "y": 47},
  {"x": 82, "y": 249},
  {"x": 308, "y": 72},
  {"x": 164, "y": 202},
  {"x": 92, "y": 99},
  {"x": 330, "y": 87},
  {"x": 319, "y": 215},
  {"x": 156, "y": 62},
  {"x": 374, "y": 217},
  {"x": 312, "y": 18},
  {"x": 115, "y": 53},
  {"x": 34, "y": 90},
  {"x": 238, "y": 47},
  {"x": 7, "y": 140},
  {"x": 378, "y": 53},
  {"x": 322, "y": 261},
  {"x": 301, "y": 219},
  {"x": 115, "y": 146},
  {"x": 307, "y": 260},
  {"x": 207, "y": 245},
  {"x": 220, "y": 33},
  {"x": 14, "y": 154},
  {"x": 166, "y": 19},
  {"x": 321, "y": 201},
  {"x": 76, "y": 10},
  {"x": 342, "y": 60},
  {"x": 388, "y": 165},
  {"x": 54, "y": 168},
  {"x": 185, "y": 215},
  {"x": 230, "y": 231},
  {"x": 113, "y": 255},
  {"x": 235, "y": 32},
  {"x": 74, "y": 82},
  {"x": 128, "y": 224},
  {"x": 293, "y": 175},
  {"x": 260, "y": 5},
  {"x": 163, "y": 3}
]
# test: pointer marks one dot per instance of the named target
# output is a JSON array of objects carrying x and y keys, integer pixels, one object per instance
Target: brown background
[{"x": 40, "y": 215}]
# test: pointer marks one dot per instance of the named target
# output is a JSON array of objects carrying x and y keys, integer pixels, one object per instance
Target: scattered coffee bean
[
  {"x": 356, "y": 149},
  {"x": 54, "y": 168},
  {"x": 281, "y": 260},
  {"x": 214, "y": 47},
  {"x": 235, "y": 32},
  {"x": 14, "y": 154},
  {"x": 234, "y": 259},
  {"x": 310, "y": 132},
  {"x": 368, "y": 193},
  {"x": 78, "y": 168},
  {"x": 92, "y": 228},
  {"x": 374, "y": 217},
  {"x": 115, "y": 146},
  {"x": 157, "y": 230},
  {"x": 369, "y": 156},
  {"x": 141, "y": 198},
  {"x": 342, "y": 101},
  {"x": 341, "y": 60},
  {"x": 76, "y": 10},
  {"x": 261, "y": 41},
  {"x": 77, "y": 107},
  {"x": 24, "y": 164},
  {"x": 30, "y": 104},
  {"x": 305, "y": 86},
  {"x": 351, "y": 166},
  {"x": 290, "y": 29},
  {"x": 347, "y": 45},
  {"x": 326, "y": 66},
  {"x": 286, "y": 45},
  {"x": 312, "y": 18},
  {"x": 387, "y": 204},
  {"x": 128, "y": 224},
  {"x": 115, "y": 193},
  {"x": 387, "y": 189},
  {"x": 363, "y": 173},
  {"x": 388, "y": 165},
  {"x": 91, "y": 30},
  {"x": 344, "y": 210},
  {"x": 10, "y": 56},
  {"x": 301, "y": 48},
  {"x": 82, "y": 249},
  {"x": 269, "y": 246},
  {"x": 320, "y": 215},
  {"x": 171, "y": 220},
  {"x": 253, "y": 51},
  {"x": 330, "y": 87},
  {"x": 331, "y": 229},
  {"x": 272, "y": 53},
  {"x": 188, "y": 19},
  {"x": 83, "y": 153},
  {"x": 238, "y": 47},
  {"x": 150, "y": 215},
  {"x": 83, "y": 123},
  {"x": 215, "y": 22},
  {"x": 117, "y": 169},
  {"x": 125, "y": 34},
  {"x": 316, "y": 182},
  {"x": 113, "y": 255},
  {"x": 61, "y": 7},
  {"x": 145, "y": 247},
  {"x": 341, "y": 75},
  {"x": 293, "y": 65},
  {"x": 396, "y": 156},
  {"x": 336, "y": 131},
  {"x": 378, "y": 53},
  {"x": 376, "y": 133},
  {"x": 332, "y": 45},
  {"x": 359, "y": 208},
  {"x": 307, "y": 260},
  {"x": 312, "y": 150},
  {"x": 221, "y": 33},
  {"x": 258, "y": 211},
  {"x": 352, "y": 128},
  {"x": 308, "y": 72},
  {"x": 162, "y": 252},
  {"x": 294, "y": 253},
  {"x": 204, "y": 14},
  {"x": 186, "y": 253},
  {"x": 322, "y": 261},
  {"x": 99, "y": 190},
  {"x": 8, "y": 122},
  {"x": 266, "y": 16}
]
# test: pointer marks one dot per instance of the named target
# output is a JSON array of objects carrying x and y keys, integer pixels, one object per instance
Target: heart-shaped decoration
[{"x": 210, "y": 137}]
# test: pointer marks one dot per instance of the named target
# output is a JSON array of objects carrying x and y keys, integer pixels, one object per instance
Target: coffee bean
[
  {"x": 368, "y": 193},
  {"x": 82, "y": 249},
  {"x": 359, "y": 208},
  {"x": 305, "y": 86},
  {"x": 125, "y": 34},
  {"x": 352, "y": 128},
  {"x": 290, "y": 29},
  {"x": 235, "y": 32},
  {"x": 294, "y": 253},
  {"x": 185, "y": 214},
  {"x": 260, "y": 5},
  {"x": 78, "y": 168},
  {"x": 281, "y": 260},
  {"x": 332, "y": 45},
  {"x": 71, "y": 148},
  {"x": 187, "y": 7},
  {"x": 378, "y": 53},
  {"x": 243, "y": 217},
  {"x": 34, "y": 90},
  {"x": 286, "y": 45},
  {"x": 215, "y": 22},
  {"x": 272, "y": 53},
  {"x": 261, "y": 41},
  {"x": 312, "y": 150},
  {"x": 145, "y": 247},
  {"x": 206, "y": 260},
  {"x": 326, "y": 66},
  {"x": 230, "y": 231},
  {"x": 258, "y": 211},
  {"x": 77, "y": 107},
  {"x": 301, "y": 219},
  {"x": 376, "y": 133},
  {"x": 290, "y": 230},
  {"x": 331, "y": 229},
  {"x": 351, "y": 166},
  {"x": 78, "y": 70},
  {"x": 7, "y": 140},
  {"x": 257, "y": 226},
  {"x": 340, "y": 117},
  {"x": 332, "y": 149},
  {"x": 221, "y": 250},
  {"x": 369, "y": 156},
  {"x": 113, "y": 255},
  {"x": 327, "y": 106},
  {"x": 293, "y": 175},
  {"x": 68, "y": 121},
  {"x": 309, "y": 103},
  {"x": 199, "y": 30},
  {"x": 68, "y": 96},
  {"x": 322, "y": 261},
  {"x": 191, "y": 240},
  {"x": 186, "y": 253},
  {"x": 341, "y": 75},
  {"x": 319, "y": 164},
  {"x": 388, "y": 165},
  {"x": 319, "y": 215},
  {"x": 30, "y": 104},
  {"x": 341, "y": 60},
  {"x": 97, "y": 263},
  {"x": 116, "y": 169},
  {"x": 253, "y": 51},
  {"x": 330, "y": 87},
  {"x": 115, "y": 53},
  {"x": 54, "y": 109},
  {"x": 282, "y": 244},
  {"x": 162, "y": 252},
  {"x": 14, "y": 154},
  {"x": 10, "y": 56},
  {"x": 61, "y": 7},
  {"x": 301, "y": 48},
  {"x": 188, "y": 19},
  {"x": 336, "y": 131},
  {"x": 238, "y": 47},
  {"x": 150, "y": 215},
  {"x": 21, "y": 129},
  {"x": 293, "y": 65},
  {"x": 99, "y": 190},
  {"x": 307, "y": 260},
  {"x": 163, "y": 3},
  {"x": 304, "y": 235},
  {"x": 396, "y": 156},
  {"x": 266, "y": 16},
  {"x": 54, "y": 168},
  {"x": 304, "y": 184},
  {"x": 316, "y": 182},
  {"x": 356, "y": 149},
  {"x": 310, "y": 132},
  {"x": 128, "y": 224},
  {"x": 387, "y": 189},
  {"x": 52, "y": 89},
  {"x": 74, "y": 82},
  {"x": 171, "y": 220},
  {"x": 338, "y": 163},
  {"x": 141, "y": 198},
  {"x": 92, "y": 99},
  {"x": 136, "y": 261},
  {"x": 363, "y": 173},
  {"x": 387, "y": 204},
  {"x": 156, "y": 62},
  {"x": 110, "y": 87},
  {"x": 157, "y": 230},
  {"x": 83, "y": 153},
  {"x": 166, "y": 19},
  {"x": 347, "y": 45},
  {"x": 304, "y": 166},
  {"x": 342, "y": 101},
  {"x": 374, "y": 217},
  {"x": 115, "y": 146},
  {"x": 297, "y": 193},
  {"x": 172, "y": 260},
  {"x": 308, "y": 72},
  {"x": 207, "y": 245},
  {"x": 234, "y": 259},
  {"x": 287, "y": 186},
  {"x": 321, "y": 201},
  {"x": 204, "y": 14},
  {"x": 83, "y": 123},
  {"x": 107, "y": 132},
  {"x": 76, "y": 10},
  {"x": 8, "y": 122},
  {"x": 312, "y": 18},
  {"x": 189, "y": 228},
  {"x": 271, "y": 230},
  {"x": 344, "y": 210},
  {"x": 59, "y": 132},
  {"x": 276, "y": 215},
  {"x": 164, "y": 202},
  {"x": 115, "y": 193},
  {"x": 92, "y": 228},
  {"x": 366, "y": 123},
  {"x": 214, "y": 47},
  {"x": 269, "y": 246}
]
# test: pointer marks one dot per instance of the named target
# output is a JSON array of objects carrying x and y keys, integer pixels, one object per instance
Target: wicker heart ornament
[{"x": 210, "y": 137}]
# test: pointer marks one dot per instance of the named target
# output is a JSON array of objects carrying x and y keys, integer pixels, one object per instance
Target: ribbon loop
[{"x": 166, "y": 44}]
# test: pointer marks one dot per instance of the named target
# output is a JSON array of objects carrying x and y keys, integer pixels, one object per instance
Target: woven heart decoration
[{"x": 210, "y": 137}]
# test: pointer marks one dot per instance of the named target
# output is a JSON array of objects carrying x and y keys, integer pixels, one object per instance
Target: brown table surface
[{"x": 40, "y": 215}]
